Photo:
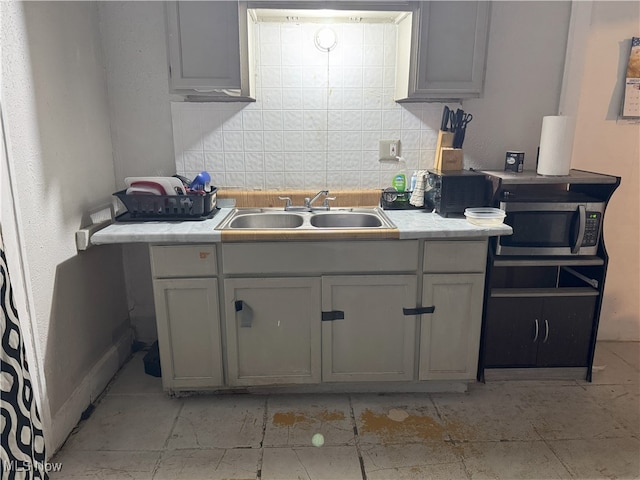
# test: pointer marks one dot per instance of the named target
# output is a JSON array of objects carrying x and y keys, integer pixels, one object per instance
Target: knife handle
[
  {"x": 445, "y": 118},
  {"x": 458, "y": 138}
]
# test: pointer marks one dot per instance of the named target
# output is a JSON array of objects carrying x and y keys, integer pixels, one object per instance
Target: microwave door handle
[{"x": 582, "y": 219}]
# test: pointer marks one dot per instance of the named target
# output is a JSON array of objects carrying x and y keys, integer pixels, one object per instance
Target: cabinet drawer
[
  {"x": 466, "y": 256},
  {"x": 169, "y": 261}
]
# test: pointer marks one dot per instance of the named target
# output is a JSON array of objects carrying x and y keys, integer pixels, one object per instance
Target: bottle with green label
[{"x": 399, "y": 181}]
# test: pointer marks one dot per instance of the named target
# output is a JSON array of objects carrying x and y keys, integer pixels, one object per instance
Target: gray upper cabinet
[
  {"x": 208, "y": 47},
  {"x": 442, "y": 50}
]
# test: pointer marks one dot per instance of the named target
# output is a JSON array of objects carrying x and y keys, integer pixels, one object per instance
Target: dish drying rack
[{"x": 167, "y": 207}]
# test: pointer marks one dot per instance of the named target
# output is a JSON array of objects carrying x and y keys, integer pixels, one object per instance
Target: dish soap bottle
[{"x": 399, "y": 181}]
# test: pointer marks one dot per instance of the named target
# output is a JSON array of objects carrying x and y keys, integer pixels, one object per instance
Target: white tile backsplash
[{"x": 317, "y": 119}]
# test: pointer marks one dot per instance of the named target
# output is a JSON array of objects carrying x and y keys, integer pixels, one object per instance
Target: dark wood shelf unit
[{"x": 543, "y": 312}]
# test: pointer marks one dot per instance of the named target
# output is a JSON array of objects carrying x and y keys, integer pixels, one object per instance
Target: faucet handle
[
  {"x": 287, "y": 202},
  {"x": 325, "y": 203}
]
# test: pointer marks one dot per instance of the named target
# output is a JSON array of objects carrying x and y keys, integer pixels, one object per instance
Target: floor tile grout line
[
  {"x": 356, "y": 437},
  {"x": 565, "y": 466},
  {"x": 265, "y": 418},
  {"x": 166, "y": 442},
  {"x": 465, "y": 468}
]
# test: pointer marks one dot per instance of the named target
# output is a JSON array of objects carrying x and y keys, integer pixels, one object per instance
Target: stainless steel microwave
[{"x": 570, "y": 224}]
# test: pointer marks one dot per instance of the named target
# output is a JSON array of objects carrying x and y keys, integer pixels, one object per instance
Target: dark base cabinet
[{"x": 538, "y": 332}]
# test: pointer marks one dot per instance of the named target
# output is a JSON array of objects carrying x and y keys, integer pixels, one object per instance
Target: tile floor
[{"x": 499, "y": 430}]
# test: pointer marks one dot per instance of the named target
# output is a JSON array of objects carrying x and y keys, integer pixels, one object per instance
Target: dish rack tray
[
  {"x": 168, "y": 207},
  {"x": 396, "y": 201}
]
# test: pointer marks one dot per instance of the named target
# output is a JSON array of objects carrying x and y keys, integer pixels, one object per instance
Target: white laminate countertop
[
  {"x": 424, "y": 224},
  {"x": 411, "y": 224}
]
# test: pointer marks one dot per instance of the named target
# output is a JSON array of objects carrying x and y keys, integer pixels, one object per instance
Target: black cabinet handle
[
  {"x": 332, "y": 315},
  {"x": 245, "y": 313},
  {"x": 418, "y": 310}
]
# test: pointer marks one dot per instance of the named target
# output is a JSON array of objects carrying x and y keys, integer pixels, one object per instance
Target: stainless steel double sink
[{"x": 277, "y": 219}]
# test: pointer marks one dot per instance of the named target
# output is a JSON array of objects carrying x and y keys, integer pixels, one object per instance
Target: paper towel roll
[{"x": 556, "y": 145}]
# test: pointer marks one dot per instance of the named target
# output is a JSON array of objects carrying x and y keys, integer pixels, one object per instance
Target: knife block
[
  {"x": 447, "y": 157},
  {"x": 450, "y": 159}
]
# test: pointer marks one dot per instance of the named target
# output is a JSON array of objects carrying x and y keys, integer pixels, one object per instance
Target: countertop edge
[{"x": 409, "y": 224}]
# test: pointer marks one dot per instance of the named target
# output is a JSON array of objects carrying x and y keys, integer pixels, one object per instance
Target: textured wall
[
  {"x": 134, "y": 44},
  {"x": 606, "y": 144},
  {"x": 60, "y": 151}
]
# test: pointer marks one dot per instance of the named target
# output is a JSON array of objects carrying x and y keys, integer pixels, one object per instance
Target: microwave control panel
[{"x": 592, "y": 229}]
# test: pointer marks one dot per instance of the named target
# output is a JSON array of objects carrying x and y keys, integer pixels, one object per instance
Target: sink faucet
[{"x": 308, "y": 202}]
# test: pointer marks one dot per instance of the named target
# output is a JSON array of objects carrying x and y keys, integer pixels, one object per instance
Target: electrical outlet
[{"x": 389, "y": 149}]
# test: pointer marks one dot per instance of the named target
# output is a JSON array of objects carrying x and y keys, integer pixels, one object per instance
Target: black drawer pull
[
  {"x": 332, "y": 315},
  {"x": 418, "y": 310},
  {"x": 245, "y": 314}
]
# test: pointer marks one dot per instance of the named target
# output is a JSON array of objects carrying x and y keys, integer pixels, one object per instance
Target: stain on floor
[{"x": 391, "y": 429}]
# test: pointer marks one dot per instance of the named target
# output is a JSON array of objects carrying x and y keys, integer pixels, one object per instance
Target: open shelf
[
  {"x": 574, "y": 177},
  {"x": 546, "y": 261},
  {"x": 544, "y": 292}
]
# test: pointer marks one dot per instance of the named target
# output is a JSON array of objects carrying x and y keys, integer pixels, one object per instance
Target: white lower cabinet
[
  {"x": 450, "y": 336},
  {"x": 272, "y": 330},
  {"x": 306, "y": 313},
  {"x": 374, "y": 341},
  {"x": 188, "y": 319}
]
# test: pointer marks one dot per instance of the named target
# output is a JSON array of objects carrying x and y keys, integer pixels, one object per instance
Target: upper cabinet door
[
  {"x": 208, "y": 47},
  {"x": 447, "y": 51}
]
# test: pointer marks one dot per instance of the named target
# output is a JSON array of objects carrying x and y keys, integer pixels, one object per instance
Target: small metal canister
[{"x": 514, "y": 162}]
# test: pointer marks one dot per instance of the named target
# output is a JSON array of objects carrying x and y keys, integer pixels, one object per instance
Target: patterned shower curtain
[{"x": 23, "y": 452}]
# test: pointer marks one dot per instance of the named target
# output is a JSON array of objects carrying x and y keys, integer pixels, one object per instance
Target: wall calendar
[{"x": 631, "y": 106}]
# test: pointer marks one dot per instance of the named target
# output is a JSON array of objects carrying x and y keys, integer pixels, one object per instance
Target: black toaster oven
[{"x": 449, "y": 192}]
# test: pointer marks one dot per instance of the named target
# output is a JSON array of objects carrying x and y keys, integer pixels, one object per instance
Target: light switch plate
[{"x": 389, "y": 149}]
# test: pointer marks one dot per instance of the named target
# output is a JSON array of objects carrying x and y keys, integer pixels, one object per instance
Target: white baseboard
[{"x": 94, "y": 383}]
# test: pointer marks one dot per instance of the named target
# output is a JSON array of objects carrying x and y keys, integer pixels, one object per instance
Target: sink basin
[
  {"x": 346, "y": 220},
  {"x": 267, "y": 220},
  {"x": 272, "y": 219}
]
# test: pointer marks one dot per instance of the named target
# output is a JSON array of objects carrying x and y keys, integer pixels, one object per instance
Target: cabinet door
[
  {"x": 273, "y": 330},
  {"x": 449, "y": 49},
  {"x": 450, "y": 336},
  {"x": 375, "y": 340},
  {"x": 566, "y": 329},
  {"x": 188, "y": 319},
  {"x": 205, "y": 45},
  {"x": 512, "y": 330}
]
